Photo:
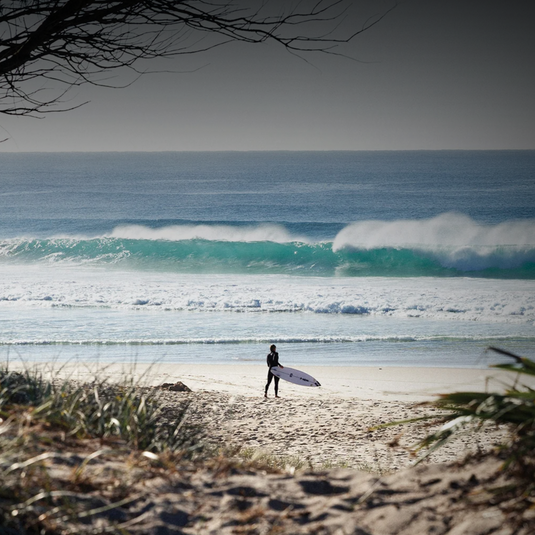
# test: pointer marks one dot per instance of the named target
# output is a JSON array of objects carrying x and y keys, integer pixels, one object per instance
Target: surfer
[{"x": 272, "y": 361}]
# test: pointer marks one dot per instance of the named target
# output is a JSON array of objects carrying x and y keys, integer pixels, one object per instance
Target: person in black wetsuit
[{"x": 273, "y": 360}]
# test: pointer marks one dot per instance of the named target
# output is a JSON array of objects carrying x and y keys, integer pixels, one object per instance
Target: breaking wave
[{"x": 446, "y": 246}]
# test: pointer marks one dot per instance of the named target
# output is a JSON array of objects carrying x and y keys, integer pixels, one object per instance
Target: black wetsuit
[{"x": 272, "y": 360}]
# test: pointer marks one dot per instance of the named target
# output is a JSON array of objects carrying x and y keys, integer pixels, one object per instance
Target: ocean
[{"x": 339, "y": 258}]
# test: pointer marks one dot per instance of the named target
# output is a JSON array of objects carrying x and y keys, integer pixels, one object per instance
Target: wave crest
[{"x": 226, "y": 233}]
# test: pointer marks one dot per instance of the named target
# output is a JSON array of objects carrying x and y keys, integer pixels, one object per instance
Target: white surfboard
[{"x": 294, "y": 376}]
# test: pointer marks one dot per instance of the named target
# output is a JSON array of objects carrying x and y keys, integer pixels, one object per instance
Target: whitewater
[{"x": 338, "y": 258}]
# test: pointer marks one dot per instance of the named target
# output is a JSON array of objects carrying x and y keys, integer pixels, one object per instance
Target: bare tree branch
[{"x": 49, "y": 46}]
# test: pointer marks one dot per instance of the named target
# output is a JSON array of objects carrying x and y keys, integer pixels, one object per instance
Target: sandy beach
[
  {"x": 335, "y": 472},
  {"x": 329, "y": 426}
]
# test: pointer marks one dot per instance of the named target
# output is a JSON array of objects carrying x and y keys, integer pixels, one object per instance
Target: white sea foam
[
  {"x": 253, "y": 233},
  {"x": 457, "y": 299}
]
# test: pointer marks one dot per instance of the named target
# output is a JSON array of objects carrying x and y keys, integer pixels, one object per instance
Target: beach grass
[
  {"x": 257, "y": 458},
  {"x": 44, "y": 426}
]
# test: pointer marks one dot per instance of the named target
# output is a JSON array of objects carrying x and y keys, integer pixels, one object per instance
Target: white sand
[{"x": 377, "y": 383}]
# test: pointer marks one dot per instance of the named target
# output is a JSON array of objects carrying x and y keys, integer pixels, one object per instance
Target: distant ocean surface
[{"x": 339, "y": 258}]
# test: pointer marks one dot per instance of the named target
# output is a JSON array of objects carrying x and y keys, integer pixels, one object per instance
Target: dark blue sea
[{"x": 340, "y": 258}]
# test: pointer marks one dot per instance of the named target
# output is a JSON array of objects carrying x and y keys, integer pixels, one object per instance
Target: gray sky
[{"x": 435, "y": 74}]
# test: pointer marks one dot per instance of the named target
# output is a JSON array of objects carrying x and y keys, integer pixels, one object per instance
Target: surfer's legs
[{"x": 269, "y": 378}]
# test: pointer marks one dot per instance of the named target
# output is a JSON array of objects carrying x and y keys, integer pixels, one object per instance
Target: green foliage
[
  {"x": 22, "y": 387},
  {"x": 106, "y": 411},
  {"x": 514, "y": 408},
  {"x": 99, "y": 410}
]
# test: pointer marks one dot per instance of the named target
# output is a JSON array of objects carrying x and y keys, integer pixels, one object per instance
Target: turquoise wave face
[{"x": 290, "y": 258}]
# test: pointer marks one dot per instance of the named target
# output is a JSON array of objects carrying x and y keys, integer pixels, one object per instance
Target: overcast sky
[{"x": 434, "y": 74}]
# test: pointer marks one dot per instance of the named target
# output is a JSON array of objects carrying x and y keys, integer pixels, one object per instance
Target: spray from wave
[
  {"x": 450, "y": 229},
  {"x": 451, "y": 240}
]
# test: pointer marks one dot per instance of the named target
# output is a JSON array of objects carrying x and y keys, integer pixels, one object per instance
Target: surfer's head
[{"x": 272, "y": 347}]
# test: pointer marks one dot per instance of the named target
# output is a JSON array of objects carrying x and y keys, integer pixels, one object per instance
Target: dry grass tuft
[{"x": 70, "y": 454}]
